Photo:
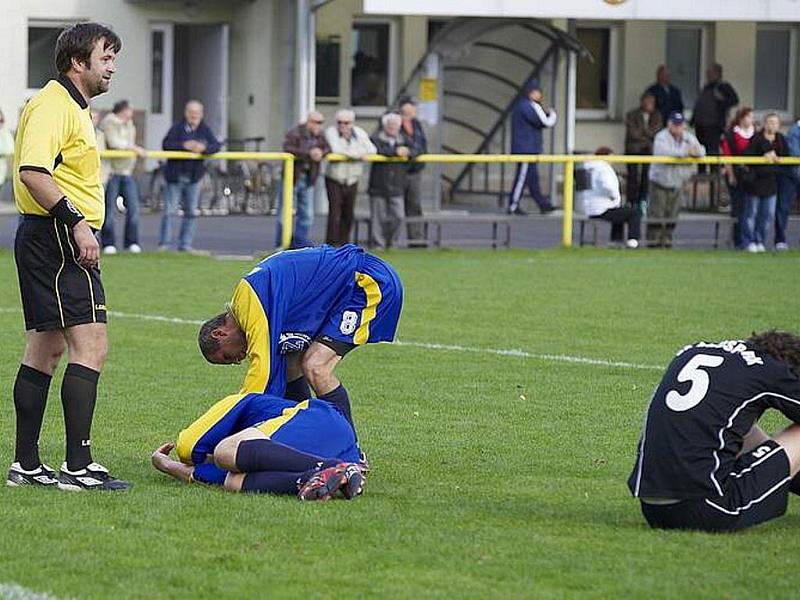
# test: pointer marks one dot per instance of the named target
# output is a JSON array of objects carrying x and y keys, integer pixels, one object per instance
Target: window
[
  {"x": 41, "y": 54},
  {"x": 370, "y": 68},
  {"x": 597, "y": 75},
  {"x": 157, "y": 81},
  {"x": 434, "y": 27},
  {"x": 774, "y": 68},
  {"x": 685, "y": 59},
  {"x": 327, "y": 73}
]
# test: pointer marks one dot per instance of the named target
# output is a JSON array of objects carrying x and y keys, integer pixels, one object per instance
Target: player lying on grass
[
  {"x": 703, "y": 462},
  {"x": 267, "y": 444},
  {"x": 297, "y": 314}
]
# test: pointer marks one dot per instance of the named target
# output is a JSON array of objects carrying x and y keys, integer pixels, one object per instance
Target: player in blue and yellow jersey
[
  {"x": 252, "y": 442},
  {"x": 296, "y": 315}
]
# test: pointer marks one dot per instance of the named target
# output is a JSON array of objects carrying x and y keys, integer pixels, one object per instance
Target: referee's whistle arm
[{"x": 87, "y": 244}]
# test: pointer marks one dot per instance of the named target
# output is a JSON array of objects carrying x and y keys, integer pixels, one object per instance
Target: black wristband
[{"x": 65, "y": 211}]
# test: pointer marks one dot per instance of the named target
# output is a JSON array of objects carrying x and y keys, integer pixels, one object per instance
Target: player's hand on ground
[
  {"x": 88, "y": 247},
  {"x": 161, "y": 459}
]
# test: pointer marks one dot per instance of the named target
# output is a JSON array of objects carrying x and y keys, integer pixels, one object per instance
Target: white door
[{"x": 160, "y": 117}]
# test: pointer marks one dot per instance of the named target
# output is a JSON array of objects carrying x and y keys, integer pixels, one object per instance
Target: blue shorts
[
  {"x": 315, "y": 427},
  {"x": 371, "y": 313}
]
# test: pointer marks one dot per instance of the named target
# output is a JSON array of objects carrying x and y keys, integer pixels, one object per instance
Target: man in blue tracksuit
[{"x": 527, "y": 121}]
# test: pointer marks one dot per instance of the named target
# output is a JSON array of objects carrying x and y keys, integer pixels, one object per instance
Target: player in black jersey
[{"x": 703, "y": 462}]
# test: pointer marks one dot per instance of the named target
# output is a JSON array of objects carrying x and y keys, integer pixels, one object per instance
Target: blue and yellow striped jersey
[{"x": 290, "y": 291}]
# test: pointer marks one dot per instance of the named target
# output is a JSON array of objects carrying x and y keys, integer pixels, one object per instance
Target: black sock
[
  {"x": 266, "y": 455},
  {"x": 275, "y": 482},
  {"x": 30, "y": 398},
  {"x": 341, "y": 401},
  {"x": 298, "y": 390},
  {"x": 78, "y": 395}
]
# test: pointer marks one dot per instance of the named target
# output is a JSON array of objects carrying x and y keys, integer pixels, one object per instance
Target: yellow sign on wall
[{"x": 428, "y": 90}]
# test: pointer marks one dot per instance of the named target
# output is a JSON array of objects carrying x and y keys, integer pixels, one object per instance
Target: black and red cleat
[
  {"x": 355, "y": 480},
  {"x": 323, "y": 485}
]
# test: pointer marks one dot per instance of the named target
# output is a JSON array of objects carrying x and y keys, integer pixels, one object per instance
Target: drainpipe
[
  {"x": 572, "y": 92},
  {"x": 305, "y": 63}
]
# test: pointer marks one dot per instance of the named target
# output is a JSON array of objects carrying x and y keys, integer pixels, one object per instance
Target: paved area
[{"x": 255, "y": 235}]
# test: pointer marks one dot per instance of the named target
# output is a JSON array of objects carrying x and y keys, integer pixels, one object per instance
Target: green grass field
[{"x": 494, "y": 475}]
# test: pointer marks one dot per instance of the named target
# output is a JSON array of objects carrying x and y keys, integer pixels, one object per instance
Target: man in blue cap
[{"x": 527, "y": 121}]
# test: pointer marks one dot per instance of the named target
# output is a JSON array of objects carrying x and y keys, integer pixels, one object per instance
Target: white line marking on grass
[
  {"x": 513, "y": 352},
  {"x": 525, "y": 354},
  {"x": 12, "y": 591}
]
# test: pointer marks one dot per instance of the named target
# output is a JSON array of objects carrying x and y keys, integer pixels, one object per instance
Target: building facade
[{"x": 249, "y": 62}]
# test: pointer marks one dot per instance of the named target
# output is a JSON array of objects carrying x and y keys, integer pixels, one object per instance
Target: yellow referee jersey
[{"x": 56, "y": 136}]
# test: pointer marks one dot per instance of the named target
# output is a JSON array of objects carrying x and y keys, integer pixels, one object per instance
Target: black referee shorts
[
  {"x": 57, "y": 292},
  {"x": 757, "y": 490}
]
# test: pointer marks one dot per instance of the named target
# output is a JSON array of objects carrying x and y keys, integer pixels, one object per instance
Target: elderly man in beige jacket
[
  {"x": 341, "y": 178},
  {"x": 120, "y": 134}
]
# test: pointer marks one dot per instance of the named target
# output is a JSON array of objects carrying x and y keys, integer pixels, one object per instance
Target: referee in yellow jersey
[{"x": 59, "y": 194}]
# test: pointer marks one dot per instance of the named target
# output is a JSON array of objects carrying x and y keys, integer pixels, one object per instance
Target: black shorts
[
  {"x": 756, "y": 491},
  {"x": 56, "y": 291}
]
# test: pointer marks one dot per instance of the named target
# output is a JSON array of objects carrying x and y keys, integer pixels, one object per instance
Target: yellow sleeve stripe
[
  {"x": 270, "y": 426},
  {"x": 250, "y": 315},
  {"x": 373, "y": 292},
  {"x": 188, "y": 438}
]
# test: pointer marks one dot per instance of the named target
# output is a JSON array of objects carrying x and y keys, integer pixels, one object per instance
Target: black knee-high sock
[
  {"x": 266, "y": 455},
  {"x": 275, "y": 482},
  {"x": 340, "y": 399},
  {"x": 298, "y": 390},
  {"x": 30, "y": 398},
  {"x": 78, "y": 395}
]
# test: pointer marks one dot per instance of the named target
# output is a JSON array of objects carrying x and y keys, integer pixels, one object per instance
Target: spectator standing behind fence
[
  {"x": 528, "y": 119},
  {"x": 341, "y": 178},
  {"x": 6, "y": 154},
  {"x": 641, "y": 126},
  {"x": 412, "y": 195},
  {"x": 734, "y": 142},
  {"x": 711, "y": 111},
  {"x": 387, "y": 182},
  {"x": 308, "y": 144},
  {"x": 761, "y": 188},
  {"x": 668, "y": 97},
  {"x": 667, "y": 180},
  {"x": 602, "y": 200},
  {"x": 119, "y": 133},
  {"x": 788, "y": 188},
  {"x": 183, "y": 176}
]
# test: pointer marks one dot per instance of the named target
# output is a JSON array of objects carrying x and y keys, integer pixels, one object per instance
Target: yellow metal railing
[{"x": 568, "y": 160}]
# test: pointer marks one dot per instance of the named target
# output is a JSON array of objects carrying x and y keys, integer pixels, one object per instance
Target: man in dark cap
[{"x": 527, "y": 121}]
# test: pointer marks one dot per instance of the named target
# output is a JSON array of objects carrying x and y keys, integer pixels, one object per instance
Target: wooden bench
[
  {"x": 500, "y": 229},
  {"x": 718, "y": 220}
]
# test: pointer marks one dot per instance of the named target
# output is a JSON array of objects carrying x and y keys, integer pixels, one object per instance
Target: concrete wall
[{"x": 261, "y": 70}]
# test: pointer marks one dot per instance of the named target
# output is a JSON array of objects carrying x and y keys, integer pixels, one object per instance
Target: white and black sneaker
[
  {"x": 42, "y": 476},
  {"x": 94, "y": 477}
]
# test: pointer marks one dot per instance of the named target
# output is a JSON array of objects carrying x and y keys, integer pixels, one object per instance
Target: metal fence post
[
  {"x": 288, "y": 199},
  {"x": 569, "y": 178}
]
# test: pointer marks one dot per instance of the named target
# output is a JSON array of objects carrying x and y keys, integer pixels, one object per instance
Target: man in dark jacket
[
  {"x": 308, "y": 144},
  {"x": 710, "y": 112},
  {"x": 183, "y": 176},
  {"x": 641, "y": 126},
  {"x": 528, "y": 119},
  {"x": 412, "y": 195},
  {"x": 387, "y": 182},
  {"x": 668, "y": 97}
]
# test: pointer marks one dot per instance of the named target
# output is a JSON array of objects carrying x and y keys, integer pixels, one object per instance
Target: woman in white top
[{"x": 601, "y": 199}]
